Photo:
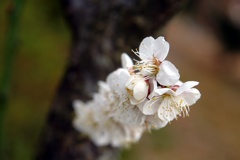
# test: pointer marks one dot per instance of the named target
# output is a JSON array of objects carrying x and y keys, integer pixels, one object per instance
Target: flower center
[
  {"x": 147, "y": 68},
  {"x": 172, "y": 107},
  {"x": 179, "y": 104}
]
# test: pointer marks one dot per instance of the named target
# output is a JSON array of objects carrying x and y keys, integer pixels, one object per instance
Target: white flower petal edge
[
  {"x": 126, "y": 61},
  {"x": 191, "y": 96},
  {"x": 153, "y": 122},
  {"x": 161, "y": 48},
  {"x": 146, "y": 48},
  {"x": 186, "y": 86},
  {"x": 168, "y": 74}
]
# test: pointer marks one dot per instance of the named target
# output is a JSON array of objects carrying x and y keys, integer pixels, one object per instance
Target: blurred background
[{"x": 204, "y": 45}]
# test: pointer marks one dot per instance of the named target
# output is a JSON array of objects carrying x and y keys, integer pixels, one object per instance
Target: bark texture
[{"x": 101, "y": 31}]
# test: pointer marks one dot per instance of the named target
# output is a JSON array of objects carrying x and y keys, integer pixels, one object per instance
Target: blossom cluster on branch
[{"x": 139, "y": 96}]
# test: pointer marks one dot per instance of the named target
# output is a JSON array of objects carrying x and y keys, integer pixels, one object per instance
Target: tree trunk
[{"x": 101, "y": 31}]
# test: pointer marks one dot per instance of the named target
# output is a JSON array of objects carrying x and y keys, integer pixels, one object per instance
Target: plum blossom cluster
[{"x": 138, "y": 97}]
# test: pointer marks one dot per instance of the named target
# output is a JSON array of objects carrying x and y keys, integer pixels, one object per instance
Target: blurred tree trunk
[{"x": 101, "y": 31}]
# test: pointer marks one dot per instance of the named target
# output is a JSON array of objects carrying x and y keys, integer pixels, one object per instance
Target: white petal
[
  {"x": 146, "y": 48},
  {"x": 131, "y": 82},
  {"x": 152, "y": 84},
  {"x": 151, "y": 106},
  {"x": 128, "y": 114},
  {"x": 117, "y": 81},
  {"x": 140, "y": 90},
  {"x": 160, "y": 48},
  {"x": 136, "y": 133},
  {"x": 155, "y": 122},
  {"x": 103, "y": 87},
  {"x": 165, "y": 112},
  {"x": 126, "y": 61},
  {"x": 159, "y": 92},
  {"x": 78, "y": 105},
  {"x": 101, "y": 137},
  {"x": 168, "y": 74},
  {"x": 179, "y": 83},
  {"x": 118, "y": 138},
  {"x": 140, "y": 105},
  {"x": 133, "y": 101},
  {"x": 186, "y": 86},
  {"x": 137, "y": 89},
  {"x": 191, "y": 96}
]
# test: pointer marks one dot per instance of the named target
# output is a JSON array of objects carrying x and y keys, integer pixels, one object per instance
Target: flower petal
[
  {"x": 161, "y": 91},
  {"x": 152, "y": 84},
  {"x": 160, "y": 48},
  {"x": 101, "y": 138},
  {"x": 125, "y": 113},
  {"x": 78, "y": 106},
  {"x": 155, "y": 123},
  {"x": 186, "y": 86},
  {"x": 117, "y": 81},
  {"x": 146, "y": 48},
  {"x": 191, "y": 96},
  {"x": 140, "y": 90},
  {"x": 151, "y": 106},
  {"x": 133, "y": 101},
  {"x": 166, "y": 112},
  {"x": 131, "y": 82},
  {"x": 126, "y": 61},
  {"x": 168, "y": 74},
  {"x": 137, "y": 89},
  {"x": 140, "y": 105}
]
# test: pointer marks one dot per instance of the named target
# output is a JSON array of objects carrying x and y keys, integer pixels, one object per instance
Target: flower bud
[{"x": 137, "y": 89}]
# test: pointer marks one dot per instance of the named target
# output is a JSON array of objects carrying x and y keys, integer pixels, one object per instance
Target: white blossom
[
  {"x": 122, "y": 109},
  {"x": 94, "y": 119},
  {"x": 152, "y": 53},
  {"x": 172, "y": 102},
  {"x": 126, "y": 61},
  {"x": 137, "y": 97},
  {"x": 137, "y": 86}
]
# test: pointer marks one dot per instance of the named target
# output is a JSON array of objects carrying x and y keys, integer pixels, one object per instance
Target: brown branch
[{"x": 101, "y": 31}]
